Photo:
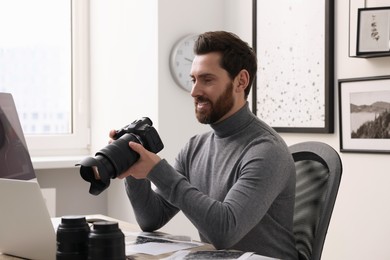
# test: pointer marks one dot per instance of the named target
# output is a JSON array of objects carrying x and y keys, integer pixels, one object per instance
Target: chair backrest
[{"x": 318, "y": 172}]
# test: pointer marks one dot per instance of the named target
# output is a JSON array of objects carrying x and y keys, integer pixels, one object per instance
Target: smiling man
[{"x": 236, "y": 183}]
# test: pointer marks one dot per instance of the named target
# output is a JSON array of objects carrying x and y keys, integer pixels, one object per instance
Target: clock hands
[{"x": 187, "y": 59}]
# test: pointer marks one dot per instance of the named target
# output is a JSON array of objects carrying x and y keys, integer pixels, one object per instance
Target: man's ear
[{"x": 242, "y": 80}]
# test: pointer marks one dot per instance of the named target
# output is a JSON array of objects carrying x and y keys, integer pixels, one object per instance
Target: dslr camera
[{"x": 117, "y": 157}]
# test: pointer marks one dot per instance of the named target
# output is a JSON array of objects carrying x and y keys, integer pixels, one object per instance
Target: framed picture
[
  {"x": 373, "y": 30},
  {"x": 294, "y": 42},
  {"x": 364, "y": 106}
]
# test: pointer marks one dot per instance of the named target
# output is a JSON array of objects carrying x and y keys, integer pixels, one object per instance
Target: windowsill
[{"x": 55, "y": 162}]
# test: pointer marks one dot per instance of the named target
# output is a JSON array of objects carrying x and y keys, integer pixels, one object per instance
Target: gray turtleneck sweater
[{"x": 236, "y": 184}]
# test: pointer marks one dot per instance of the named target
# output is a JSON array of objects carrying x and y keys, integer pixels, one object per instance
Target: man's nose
[{"x": 194, "y": 90}]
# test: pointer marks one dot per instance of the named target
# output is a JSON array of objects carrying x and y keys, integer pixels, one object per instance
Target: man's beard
[{"x": 218, "y": 109}]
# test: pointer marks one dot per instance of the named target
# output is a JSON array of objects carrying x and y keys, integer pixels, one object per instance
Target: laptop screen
[{"x": 14, "y": 156}]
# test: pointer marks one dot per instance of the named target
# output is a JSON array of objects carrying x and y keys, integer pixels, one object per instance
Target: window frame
[{"x": 78, "y": 141}]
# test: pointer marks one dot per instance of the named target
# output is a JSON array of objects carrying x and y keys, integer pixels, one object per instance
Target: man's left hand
[{"x": 141, "y": 168}]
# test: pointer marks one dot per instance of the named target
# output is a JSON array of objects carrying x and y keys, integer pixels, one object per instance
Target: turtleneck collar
[{"x": 234, "y": 123}]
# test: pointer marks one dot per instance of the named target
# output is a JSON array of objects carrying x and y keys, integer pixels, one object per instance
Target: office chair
[{"x": 318, "y": 174}]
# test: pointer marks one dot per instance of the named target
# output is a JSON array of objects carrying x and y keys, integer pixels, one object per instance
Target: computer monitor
[{"x": 14, "y": 156}]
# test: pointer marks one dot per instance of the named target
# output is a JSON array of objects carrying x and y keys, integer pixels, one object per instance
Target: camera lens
[
  {"x": 72, "y": 238},
  {"x": 106, "y": 241},
  {"x": 108, "y": 163}
]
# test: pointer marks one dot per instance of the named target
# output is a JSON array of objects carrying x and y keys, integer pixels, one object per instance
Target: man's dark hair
[{"x": 236, "y": 54}]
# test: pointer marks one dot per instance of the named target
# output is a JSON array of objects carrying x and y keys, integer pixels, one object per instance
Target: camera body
[
  {"x": 143, "y": 130},
  {"x": 117, "y": 157}
]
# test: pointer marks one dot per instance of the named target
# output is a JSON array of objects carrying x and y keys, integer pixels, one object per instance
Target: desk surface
[{"x": 128, "y": 227}]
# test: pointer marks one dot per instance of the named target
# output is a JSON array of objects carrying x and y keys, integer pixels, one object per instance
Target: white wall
[
  {"x": 130, "y": 45},
  {"x": 123, "y": 76},
  {"x": 71, "y": 192}
]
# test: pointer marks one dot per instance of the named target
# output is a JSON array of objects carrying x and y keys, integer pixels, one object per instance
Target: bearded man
[{"x": 236, "y": 183}]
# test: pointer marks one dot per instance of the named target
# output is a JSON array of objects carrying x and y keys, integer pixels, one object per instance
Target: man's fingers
[
  {"x": 112, "y": 133},
  {"x": 136, "y": 147}
]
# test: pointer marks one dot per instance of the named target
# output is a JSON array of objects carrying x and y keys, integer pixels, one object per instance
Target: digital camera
[{"x": 117, "y": 157}]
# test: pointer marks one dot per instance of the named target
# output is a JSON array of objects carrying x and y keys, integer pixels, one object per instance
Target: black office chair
[{"x": 318, "y": 168}]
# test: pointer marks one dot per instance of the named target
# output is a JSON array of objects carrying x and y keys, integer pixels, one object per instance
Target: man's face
[{"x": 212, "y": 89}]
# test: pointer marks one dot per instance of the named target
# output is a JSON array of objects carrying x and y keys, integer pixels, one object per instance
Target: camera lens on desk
[
  {"x": 72, "y": 238},
  {"x": 106, "y": 241}
]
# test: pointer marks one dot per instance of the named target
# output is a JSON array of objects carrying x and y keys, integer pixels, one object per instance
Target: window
[{"x": 44, "y": 65}]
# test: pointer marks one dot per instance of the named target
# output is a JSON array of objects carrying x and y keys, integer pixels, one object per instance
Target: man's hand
[{"x": 144, "y": 165}]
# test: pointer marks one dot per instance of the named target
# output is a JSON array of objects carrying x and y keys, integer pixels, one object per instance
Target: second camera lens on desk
[{"x": 106, "y": 241}]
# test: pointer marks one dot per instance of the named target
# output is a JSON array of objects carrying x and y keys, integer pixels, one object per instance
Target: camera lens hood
[{"x": 94, "y": 170}]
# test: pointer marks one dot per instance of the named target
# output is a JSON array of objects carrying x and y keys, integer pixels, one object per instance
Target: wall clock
[{"x": 181, "y": 59}]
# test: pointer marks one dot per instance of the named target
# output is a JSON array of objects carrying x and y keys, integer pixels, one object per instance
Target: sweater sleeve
[{"x": 150, "y": 209}]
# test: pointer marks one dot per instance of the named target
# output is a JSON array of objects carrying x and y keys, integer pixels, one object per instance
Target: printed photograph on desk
[
  {"x": 365, "y": 114},
  {"x": 212, "y": 254},
  {"x": 156, "y": 243}
]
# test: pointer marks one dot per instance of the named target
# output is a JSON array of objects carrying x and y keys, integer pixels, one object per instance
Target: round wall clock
[{"x": 182, "y": 56}]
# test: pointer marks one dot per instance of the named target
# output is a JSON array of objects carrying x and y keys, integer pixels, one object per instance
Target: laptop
[{"x": 26, "y": 229}]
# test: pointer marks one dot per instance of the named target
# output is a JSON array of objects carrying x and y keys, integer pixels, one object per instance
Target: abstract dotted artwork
[{"x": 291, "y": 90}]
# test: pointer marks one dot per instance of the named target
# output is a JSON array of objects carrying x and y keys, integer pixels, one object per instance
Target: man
[{"x": 236, "y": 184}]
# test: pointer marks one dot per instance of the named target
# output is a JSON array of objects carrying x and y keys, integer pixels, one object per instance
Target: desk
[{"x": 128, "y": 227}]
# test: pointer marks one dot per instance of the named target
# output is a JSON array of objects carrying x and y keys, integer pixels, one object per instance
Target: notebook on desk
[{"x": 26, "y": 229}]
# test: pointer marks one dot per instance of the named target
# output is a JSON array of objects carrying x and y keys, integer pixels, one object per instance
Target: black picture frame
[
  {"x": 364, "y": 109},
  {"x": 373, "y": 31},
  {"x": 294, "y": 88}
]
